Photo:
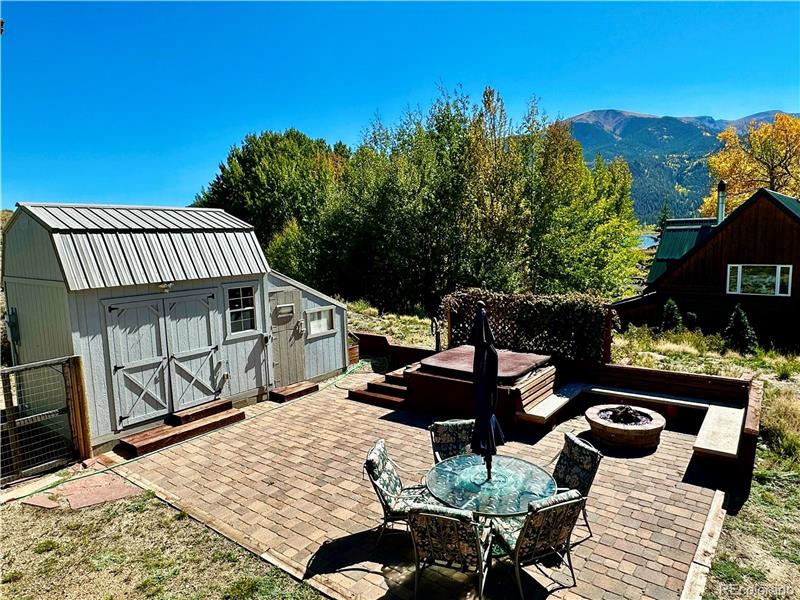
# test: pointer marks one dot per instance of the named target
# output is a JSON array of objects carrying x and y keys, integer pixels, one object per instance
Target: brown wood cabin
[{"x": 708, "y": 266}]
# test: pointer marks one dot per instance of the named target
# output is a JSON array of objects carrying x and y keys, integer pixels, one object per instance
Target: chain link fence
[{"x": 42, "y": 418}]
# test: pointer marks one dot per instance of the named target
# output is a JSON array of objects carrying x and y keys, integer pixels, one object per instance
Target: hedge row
[{"x": 569, "y": 326}]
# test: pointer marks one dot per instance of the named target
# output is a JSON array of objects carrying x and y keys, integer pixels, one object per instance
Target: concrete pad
[
  {"x": 41, "y": 501},
  {"x": 96, "y": 489}
]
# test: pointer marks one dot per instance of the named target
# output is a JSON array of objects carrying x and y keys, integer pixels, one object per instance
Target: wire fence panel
[{"x": 36, "y": 420}]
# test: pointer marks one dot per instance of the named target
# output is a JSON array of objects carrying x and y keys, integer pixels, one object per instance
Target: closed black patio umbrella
[{"x": 487, "y": 434}]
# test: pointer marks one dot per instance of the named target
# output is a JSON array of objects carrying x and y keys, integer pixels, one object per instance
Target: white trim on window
[
  {"x": 329, "y": 322},
  {"x": 733, "y": 280},
  {"x": 252, "y": 331}
]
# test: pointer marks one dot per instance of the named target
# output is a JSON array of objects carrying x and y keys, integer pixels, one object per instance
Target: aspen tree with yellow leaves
[{"x": 767, "y": 155}]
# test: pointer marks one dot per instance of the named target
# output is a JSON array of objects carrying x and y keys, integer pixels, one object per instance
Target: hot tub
[{"x": 457, "y": 364}]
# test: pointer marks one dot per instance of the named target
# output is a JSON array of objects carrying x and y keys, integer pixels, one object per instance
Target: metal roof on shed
[{"x": 111, "y": 246}]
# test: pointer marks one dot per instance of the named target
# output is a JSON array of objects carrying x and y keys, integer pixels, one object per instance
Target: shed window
[
  {"x": 241, "y": 309},
  {"x": 320, "y": 321},
  {"x": 760, "y": 280}
]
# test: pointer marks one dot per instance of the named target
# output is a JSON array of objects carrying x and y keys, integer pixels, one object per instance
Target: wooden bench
[
  {"x": 720, "y": 432},
  {"x": 722, "y": 425},
  {"x": 543, "y": 411},
  {"x": 719, "y": 435}
]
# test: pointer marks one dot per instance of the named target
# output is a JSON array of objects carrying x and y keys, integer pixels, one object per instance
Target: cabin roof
[
  {"x": 682, "y": 236},
  {"x": 791, "y": 204},
  {"x": 679, "y": 236},
  {"x": 111, "y": 246}
]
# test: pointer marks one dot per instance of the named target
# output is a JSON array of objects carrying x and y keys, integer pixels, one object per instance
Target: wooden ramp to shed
[
  {"x": 720, "y": 432},
  {"x": 295, "y": 390}
]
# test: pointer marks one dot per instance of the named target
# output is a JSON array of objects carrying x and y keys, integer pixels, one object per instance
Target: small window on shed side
[{"x": 320, "y": 321}]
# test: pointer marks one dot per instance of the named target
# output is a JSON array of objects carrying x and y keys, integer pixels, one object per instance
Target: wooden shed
[{"x": 170, "y": 308}]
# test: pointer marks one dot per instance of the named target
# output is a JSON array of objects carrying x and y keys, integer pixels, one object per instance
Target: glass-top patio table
[{"x": 461, "y": 482}]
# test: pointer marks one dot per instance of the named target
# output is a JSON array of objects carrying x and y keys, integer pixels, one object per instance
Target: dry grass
[
  {"x": 408, "y": 330},
  {"x": 137, "y": 548}
]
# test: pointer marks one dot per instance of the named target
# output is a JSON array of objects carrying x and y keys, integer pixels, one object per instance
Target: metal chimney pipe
[{"x": 721, "y": 186}]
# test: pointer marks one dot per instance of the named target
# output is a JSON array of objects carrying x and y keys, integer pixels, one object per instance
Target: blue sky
[{"x": 139, "y": 102}]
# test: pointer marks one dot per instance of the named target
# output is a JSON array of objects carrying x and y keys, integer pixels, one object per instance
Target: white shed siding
[
  {"x": 42, "y": 317},
  {"x": 88, "y": 318},
  {"x": 28, "y": 251}
]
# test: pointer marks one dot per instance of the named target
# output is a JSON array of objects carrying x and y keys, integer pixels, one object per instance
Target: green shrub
[
  {"x": 671, "y": 317},
  {"x": 739, "y": 335},
  {"x": 568, "y": 326},
  {"x": 363, "y": 307}
]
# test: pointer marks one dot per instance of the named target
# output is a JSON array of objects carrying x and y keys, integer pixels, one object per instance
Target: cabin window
[
  {"x": 241, "y": 309},
  {"x": 319, "y": 321},
  {"x": 760, "y": 280}
]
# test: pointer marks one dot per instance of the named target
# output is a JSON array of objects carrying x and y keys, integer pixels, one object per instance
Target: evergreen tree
[
  {"x": 663, "y": 216},
  {"x": 739, "y": 335},
  {"x": 671, "y": 317}
]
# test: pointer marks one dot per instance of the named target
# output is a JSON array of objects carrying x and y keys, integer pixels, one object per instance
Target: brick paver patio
[{"x": 287, "y": 483}]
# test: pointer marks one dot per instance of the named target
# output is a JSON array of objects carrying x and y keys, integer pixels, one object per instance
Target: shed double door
[
  {"x": 288, "y": 331},
  {"x": 163, "y": 355}
]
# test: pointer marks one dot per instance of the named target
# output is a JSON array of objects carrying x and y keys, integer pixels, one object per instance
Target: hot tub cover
[{"x": 457, "y": 362}]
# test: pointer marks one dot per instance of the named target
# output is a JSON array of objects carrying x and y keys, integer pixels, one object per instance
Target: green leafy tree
[
  {"x": 273, "y": 178},
  {"x": 739, "y": 335},
  {"x": 453, "y": 196},
  {"x": 671, "y": 319}
]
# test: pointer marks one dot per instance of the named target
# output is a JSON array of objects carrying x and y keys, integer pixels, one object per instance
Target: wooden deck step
[
  {"x": 720, "y": 432},
  {"x": 389, "y": 389},
  {"x": 200, "y": 412},
  {"x": 542, "y": 412},
  {"x": 160, "y": 437},
  {"x": 378, "y": 399},
  {"x": 295, "y": 390},
  {"x": 395, "y": 378}
]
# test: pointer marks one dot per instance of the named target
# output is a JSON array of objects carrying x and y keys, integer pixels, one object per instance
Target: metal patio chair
[
  {"x": 451, "y": 438},
  {"x": 451, "y": 538},
  {"x": 394, "y": 498},
  {"x": 545, "y": 531},
  {"x": 576, "y": 468}
]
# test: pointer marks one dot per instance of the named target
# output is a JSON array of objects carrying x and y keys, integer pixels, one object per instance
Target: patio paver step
[
  {"x": 293, "y": 391},
  {"x": 166, "y": 435},
  {"x": 199, "y": 412}
]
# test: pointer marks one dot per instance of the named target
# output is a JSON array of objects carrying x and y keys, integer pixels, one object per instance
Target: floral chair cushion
[
  {"x": 382, "y": 472},
  {"x": 447, "y": 535},
  {"x": 546, "y": 527},
  {"x": 408, "y": 497},
  {"x": 451, "y": 438},
  {"x": 577, "y": 465}
]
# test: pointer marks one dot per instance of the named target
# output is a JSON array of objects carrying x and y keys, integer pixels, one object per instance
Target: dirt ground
[{"x": 134, "y": 548}]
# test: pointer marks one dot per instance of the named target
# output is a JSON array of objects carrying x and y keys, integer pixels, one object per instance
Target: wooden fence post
[
  {"x": 76, "y": 403},
  {"x": 11, "y": 423},
  {"x": 607, "y": 336}
]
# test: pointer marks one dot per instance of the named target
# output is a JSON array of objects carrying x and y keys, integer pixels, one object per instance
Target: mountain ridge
[{"x": 667, "y": 155}]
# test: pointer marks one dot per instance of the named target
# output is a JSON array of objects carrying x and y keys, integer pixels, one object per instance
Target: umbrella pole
[{"x": 489, "y": 467}]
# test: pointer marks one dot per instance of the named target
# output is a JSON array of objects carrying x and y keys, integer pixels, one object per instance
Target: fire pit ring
[{"x": 644, "y": 433}]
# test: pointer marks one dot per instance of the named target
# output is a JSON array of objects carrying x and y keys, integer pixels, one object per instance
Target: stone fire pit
[{"x": 623, "y": 425}]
